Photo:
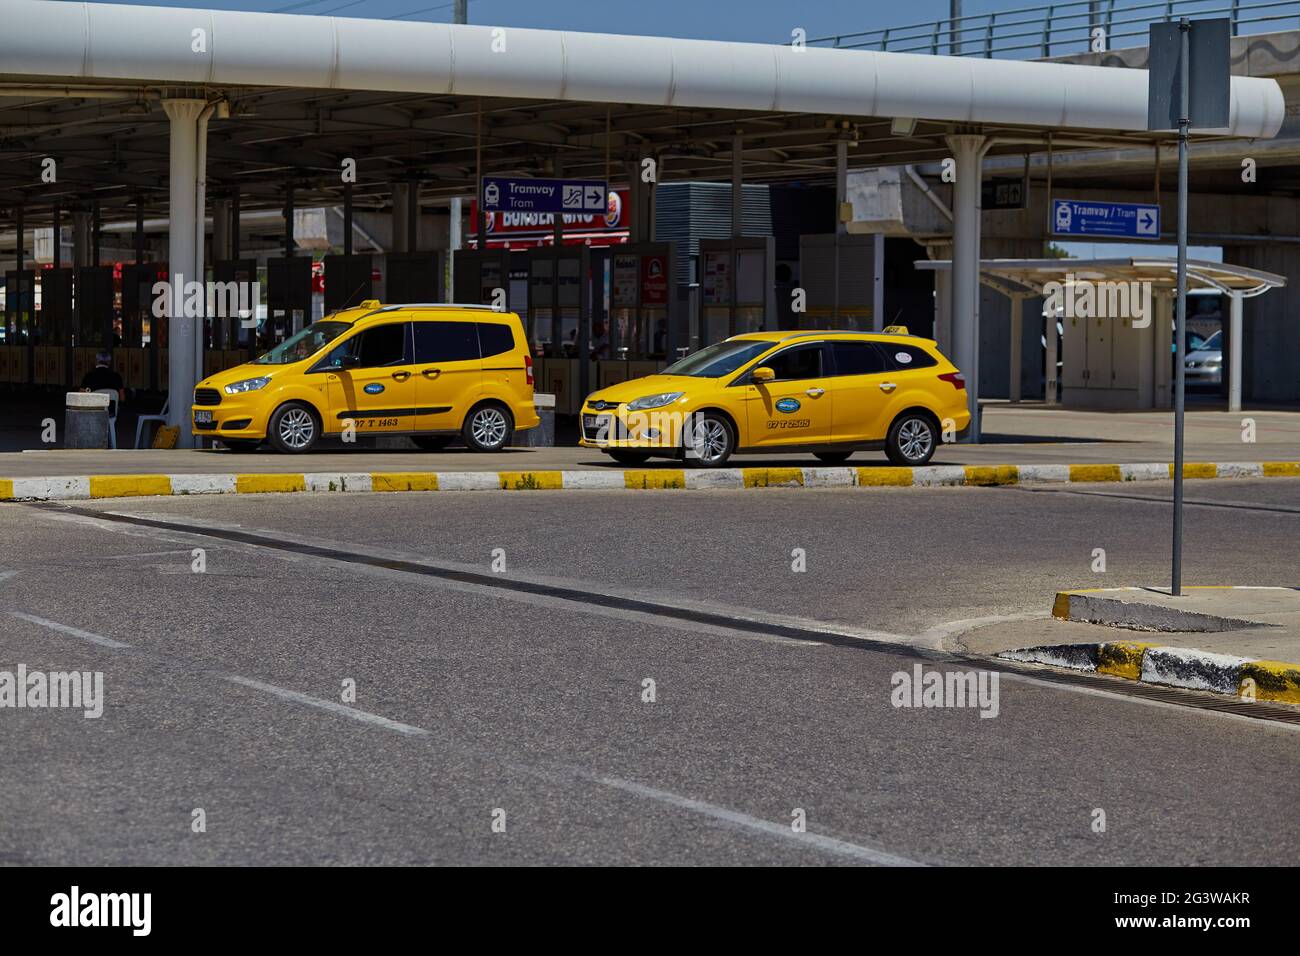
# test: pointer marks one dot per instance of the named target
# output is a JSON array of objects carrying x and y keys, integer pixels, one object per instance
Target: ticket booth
[
  {"x": 93, "y": 306},
  {"x": 837, "y": 275},
  {"x": 558, "y": 319},
  {"x": 479, "y": 274},
  {"x": 20, "y": 319},
  {"x": 230, "y": 332},
  {"x": 288, "y": 298},
  {"x": 413, "y": 277},
  {"x": 54, "y": 328},
  {"x": 642, "y": 326},
  {"x": 141, "y": 357},
  {"x": 348, "y": 281},
  {"x": 737, "y": 287}
]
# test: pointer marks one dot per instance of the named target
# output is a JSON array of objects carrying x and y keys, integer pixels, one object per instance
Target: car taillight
[
  {"x": 957, "y": 379},
  {"x": 528, "y": 369}
]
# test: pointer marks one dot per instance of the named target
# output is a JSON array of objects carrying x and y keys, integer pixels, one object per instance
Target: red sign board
[
  {"x": 521, "y": 230},
  {"x": 654, "y": 280}
]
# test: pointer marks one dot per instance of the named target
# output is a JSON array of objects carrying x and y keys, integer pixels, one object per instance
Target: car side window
[
  {"x": 857, "y": 358},
  {"x": 445, "y": 342},
  {"x": 800, "y": 362},
  {"x": 900, "y": 358},
  {"x": 495, "y": 339},
  {"x": 375, "y": 347}
]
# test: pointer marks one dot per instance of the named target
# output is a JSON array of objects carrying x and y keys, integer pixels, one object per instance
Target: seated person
[{"x": 103, "y": 376}]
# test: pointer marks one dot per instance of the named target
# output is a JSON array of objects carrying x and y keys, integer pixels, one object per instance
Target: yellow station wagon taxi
[
  {"x": 829, "y": 393},
  {"x": 434, "y": 372}
]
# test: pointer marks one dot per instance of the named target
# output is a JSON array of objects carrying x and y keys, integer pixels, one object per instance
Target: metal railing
[{"x": 1060, "y": 29}]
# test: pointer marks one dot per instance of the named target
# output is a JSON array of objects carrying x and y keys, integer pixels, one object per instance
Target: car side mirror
[
  {"x": 761, "y": 374},
  {"x": 349, "y": 361}
]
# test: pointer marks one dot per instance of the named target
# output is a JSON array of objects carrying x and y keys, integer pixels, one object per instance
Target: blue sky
[{"x": 766, "y": 21}]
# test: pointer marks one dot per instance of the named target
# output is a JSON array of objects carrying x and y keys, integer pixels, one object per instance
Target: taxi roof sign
[{"x": 895, "y": 330}]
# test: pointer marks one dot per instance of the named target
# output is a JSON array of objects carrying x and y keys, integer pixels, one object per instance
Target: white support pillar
[
  {"x": 453, "y": 245},
  {"x": 968, "y": 152},
  {"x": 182, "y": 374},
  {"x": 1017, "y": 335},
  {"x": 1234, "y": 351}
]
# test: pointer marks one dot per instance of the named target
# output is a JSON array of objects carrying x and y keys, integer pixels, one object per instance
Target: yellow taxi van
[{"x": 434, "y": 372}]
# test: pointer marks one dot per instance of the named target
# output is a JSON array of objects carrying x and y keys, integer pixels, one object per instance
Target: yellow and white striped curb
[
  {"x": 71, "y": 488},
  {"x": 1184, "y": 667}
]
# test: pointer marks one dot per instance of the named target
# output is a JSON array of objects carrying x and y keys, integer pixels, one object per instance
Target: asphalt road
[{"x": 522, "y": 691}]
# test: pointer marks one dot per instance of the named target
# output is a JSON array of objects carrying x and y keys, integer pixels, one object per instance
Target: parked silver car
[{"x": 1204, "y": 363}]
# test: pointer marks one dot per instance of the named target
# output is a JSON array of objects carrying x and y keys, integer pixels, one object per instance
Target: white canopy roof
[
  {"x": 1027, "y": 276},
  {"x": 95, "y": 41}
]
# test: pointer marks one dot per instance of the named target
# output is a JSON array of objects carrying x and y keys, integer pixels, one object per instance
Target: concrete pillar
[
  {"x": 878, "y": 283},
  {"x": 1051, "y": 354},
  {"x": 1234, "y": 351},
  {"x": 221, "y": 209},
  {"x": 401, "y": 217},
  {"x": 183, "y": 178},
  {"x": 455, "y": 214},
  {"x": 942, "y": 297},
  {"x": 81, "y": 238},
  {"x": 968, "y": 152},
  {"x": 1162, "y": 340},
  {"x": 1017, "y": 333}
]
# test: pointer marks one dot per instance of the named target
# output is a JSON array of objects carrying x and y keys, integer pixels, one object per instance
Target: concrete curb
[
  {"x": 80, "y": 487},
  {"x": 1184, "y": 667},
  {"x": 1106, "y": 606}
]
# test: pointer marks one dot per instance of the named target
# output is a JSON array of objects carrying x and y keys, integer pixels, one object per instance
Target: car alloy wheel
[
  {"x": 296, "y": 428},
  {"x": 915, "y": 439},
  {"x": 710, "y": 441},
  {"x": 489, "y": 427}
]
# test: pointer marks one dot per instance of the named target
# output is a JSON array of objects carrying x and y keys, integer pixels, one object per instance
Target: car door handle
[
  {"x": 431, "y": 372},
  {"x": 815, "y": 392},
  {"x": 888, "y": 386},
  {"x": 401, "y": 376}
]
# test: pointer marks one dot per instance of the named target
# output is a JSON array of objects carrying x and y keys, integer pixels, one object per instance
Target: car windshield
[
  {"x": 305, "y": 344},
  {"x": 719, "y": 359},
  {"x": 1213, "y": 343}
]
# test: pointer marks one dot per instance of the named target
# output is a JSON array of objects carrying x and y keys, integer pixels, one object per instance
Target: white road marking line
[
  {"x": 73, "y": 631},
  {"x": 745, "y": 822},
  {"x": 329, "y": 705}
]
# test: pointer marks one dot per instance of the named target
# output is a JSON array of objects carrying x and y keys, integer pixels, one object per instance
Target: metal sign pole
[{"x": 1180, "y": 333}]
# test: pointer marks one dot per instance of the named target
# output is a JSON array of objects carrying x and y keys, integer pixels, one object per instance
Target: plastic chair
[
  {"x": 112, "y": 414},
  {"x": 160, "y": 418}
]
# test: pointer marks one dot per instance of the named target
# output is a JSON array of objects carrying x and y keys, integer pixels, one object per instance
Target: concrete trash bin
[
  {"x": 85, "y": 420},
  {"x": 543, "y": 436}
]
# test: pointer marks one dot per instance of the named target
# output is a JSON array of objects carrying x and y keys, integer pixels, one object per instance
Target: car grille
[
  {"x": 205, "y": 426},
  {"x": 207, "y": 396},
  {"x": 603, "y": 428}
]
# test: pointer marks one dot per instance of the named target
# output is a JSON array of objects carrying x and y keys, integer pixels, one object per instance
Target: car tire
[
  {"x": 912, "y": 439},
  {"x": 294, "y": 428},
  {"x": 240, "y": 446},
  {"x": 624, "y": 457},
  {"x": 488, "y": 427},
  {"x": 432, "y": 442},
  {"x": 708, "y": 440},
  {"x": 833, "y": 457}
]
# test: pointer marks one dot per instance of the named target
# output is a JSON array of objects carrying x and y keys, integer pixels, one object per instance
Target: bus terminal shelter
[
  {"x": 189, "y": 114},
  {"x": 1115, "y": 357}
]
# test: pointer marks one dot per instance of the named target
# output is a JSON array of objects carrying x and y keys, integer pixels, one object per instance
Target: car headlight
[
  {"x": 1213, "y": 362},
  {"x": 247, "y": 385},
  {"x": 653, "y": 401}
]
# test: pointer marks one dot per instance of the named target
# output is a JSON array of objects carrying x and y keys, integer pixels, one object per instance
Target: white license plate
[{"x": 202, "y": 416}]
